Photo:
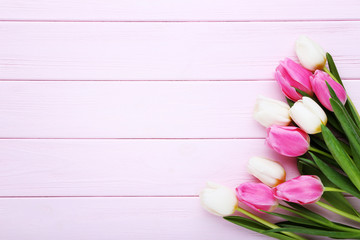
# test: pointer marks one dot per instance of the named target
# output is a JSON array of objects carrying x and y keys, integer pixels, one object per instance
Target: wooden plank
[
  {"x": 116, "y": 218},
  {"x": 113, "y": 219},
  {"x": 211, "y": 109},
  {"x": 185, "y": 10},
  {"x": 126, "y": 167},
  {"x": 165, "y": 51},
  {"x": 131, "y": 109}
]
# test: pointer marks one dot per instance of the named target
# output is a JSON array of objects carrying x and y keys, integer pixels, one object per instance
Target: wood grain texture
[
  {"x": 165, "y": 51},
  {"x": 185, "y": 10},
  {"x": 211, "y": 109},
  {"x": 116, "y": 218},
  {"x": 113, "y": 219},
  {"x": 126, "y": 167}
]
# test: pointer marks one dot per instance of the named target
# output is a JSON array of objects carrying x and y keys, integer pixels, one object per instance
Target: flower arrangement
[{"x": 320, "y": 126}]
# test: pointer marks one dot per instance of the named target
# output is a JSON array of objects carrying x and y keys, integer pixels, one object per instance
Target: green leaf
[
  {"x": 349, "y": 105},
  {"x": 332, "y": 68},
  {"x": 306, "y": 213},
  {"x": 341, "y": 157},
  {"x": 319, "y": 232},
  {"x": 290, "y": 102},
  {"x": 293, "y": 219},
  {"x": 335, "y": 177},
  {"x": 333, "y": 121},
  {"x": 307, "y": 162},
  {"x": 302, "y": 93},
  {"x": 336, "y": 199},
  {"x": 256, "y": 227},
  {"x": 318, "y": 142},
  {"x": 341, "y": 113}
]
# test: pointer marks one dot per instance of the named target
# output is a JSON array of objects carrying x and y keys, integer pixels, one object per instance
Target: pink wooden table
[{"x": 114, "y": 113}]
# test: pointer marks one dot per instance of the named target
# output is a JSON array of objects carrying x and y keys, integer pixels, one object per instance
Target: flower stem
[
  {"x": 331, "y": 75},
  {"x": 267, "y": 223},
  {"x": 312, "y": 149},
  {"x": 331, "y": 189},
  {"x": 338, "y": 211},
  {"x": 356, "y": 113},
  {"x": 319, "y": 221}
]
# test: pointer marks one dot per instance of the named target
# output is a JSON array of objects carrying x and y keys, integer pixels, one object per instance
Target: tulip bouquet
[{"x": 320, "y": 126}]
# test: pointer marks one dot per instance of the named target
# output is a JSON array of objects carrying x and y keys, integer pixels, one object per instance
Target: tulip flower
[
  {"x": 258, "y": 196},
  {"x": 267, "y": 171},
  {"x": 269, "y": 111},
  {"x": 218, "y": 199},
  {"x": 310, "y": 54},
  {"x": 318, "y": 83},
  {"x": 304, "y": 189},
  {"x": 308, "y": 115},
  {"x": 288, "y": 140},
  {"x": 291, "y": 75}
]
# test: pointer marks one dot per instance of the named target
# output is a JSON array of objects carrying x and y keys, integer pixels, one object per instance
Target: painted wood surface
[
  {"x": 112, "y": 219},
  {"x": 211, "y": 109},
  {"x": 165, "y": 51},
  {"x": 185, "y": 10},
  {"x": 126, "y": 167},
  {"x": 114, "y": 114},
  {"x": 116, "y": 218}
]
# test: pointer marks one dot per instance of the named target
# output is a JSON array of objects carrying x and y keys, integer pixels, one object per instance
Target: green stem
[
  {"x": 353, "y": 106},
  {"x": 337, "y": 211},
  {"x": 326, "y": 224},
  {"x": 356, "y": 113},
  {"x": 331, "y": 75},
  {"x": 267, "y": 223},
  {"x": 331, "y": 189},
  {"x": 312, "y": 149}
]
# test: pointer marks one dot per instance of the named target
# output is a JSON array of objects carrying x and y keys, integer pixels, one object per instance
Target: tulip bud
[
  {"x": 218, "y": 199},
  {"x": 308, "y": 115},
  {"x": 269, "y": 172},
  {"x": 269, "y": 111},
  {"x": 304, "y": 189},
  {"x": 258, "y": 196},
  {"x": 310, "y": 54},
  {"x": 318, "y": 83},
  {"x": 291, "y": 75},
  {"x": 288, "y": 140}
]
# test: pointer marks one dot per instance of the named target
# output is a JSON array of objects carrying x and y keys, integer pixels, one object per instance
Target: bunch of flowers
[{"x": 321, "y": 127}]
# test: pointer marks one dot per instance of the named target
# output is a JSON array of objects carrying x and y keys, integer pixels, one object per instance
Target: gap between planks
[
  {"x": 105, "y": 196},
  {"x": 183, "y": 21}
]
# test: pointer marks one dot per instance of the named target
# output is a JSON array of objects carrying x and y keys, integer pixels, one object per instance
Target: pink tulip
[
  {"x": 318, "y": 83},
  {"x": 258, "y": 196},
  {"x": 291, "y": 75},
  {"x": 304, "y": 189},
  {"x": 288, "y": 140}
]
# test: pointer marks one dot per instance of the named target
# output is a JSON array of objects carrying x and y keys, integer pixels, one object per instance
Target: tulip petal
[
  {"x": 310, "y": 54},
  {"x": 288, "y": 141},
  {"x": 258, "y": 196},
  {"x": 318, "y": 82},
  {"x": 285, "y": 86},
  {"x": 304, "y": 189},
  {"x": 218, "y": 199},
  {"x": 269, "y": 111},
  {"x": 308, "y": 115},
  {"x": 299, "y": 76},
  {"x": 268, "y": 172}
]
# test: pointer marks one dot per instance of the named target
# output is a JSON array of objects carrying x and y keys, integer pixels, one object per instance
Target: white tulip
[
  {"x": 308, "y": 115},
  {"x": 310, "y": 54},
  {"x": 269, "y": 111},
  {"x": 267, "y": 171},
  {"x": 218, "y": 199}
]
